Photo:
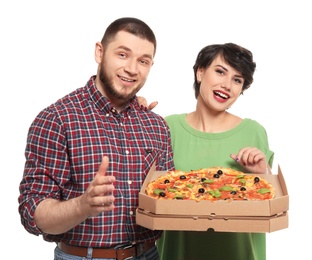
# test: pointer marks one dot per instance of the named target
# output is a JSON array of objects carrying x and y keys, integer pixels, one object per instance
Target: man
[{"x": 88, "y": 154}]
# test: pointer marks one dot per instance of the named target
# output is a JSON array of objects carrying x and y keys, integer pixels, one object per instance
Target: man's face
[{"x": 124, "y": 67}]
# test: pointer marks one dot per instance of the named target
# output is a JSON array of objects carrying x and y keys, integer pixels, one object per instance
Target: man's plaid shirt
[{"x": 65, "y": 146}]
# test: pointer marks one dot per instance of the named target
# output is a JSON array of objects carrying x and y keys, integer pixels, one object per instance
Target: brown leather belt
[{"x": 119, "y": 254}]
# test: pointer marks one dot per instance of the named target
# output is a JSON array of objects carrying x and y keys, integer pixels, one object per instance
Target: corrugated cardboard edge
[{"x": 233, "y": 224}]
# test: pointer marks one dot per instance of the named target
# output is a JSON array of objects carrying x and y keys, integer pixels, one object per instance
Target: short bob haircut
[{"x": 236, "y": 56}]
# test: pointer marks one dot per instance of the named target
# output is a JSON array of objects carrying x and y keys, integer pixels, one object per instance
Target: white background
[{"x": 46, "y": 51}]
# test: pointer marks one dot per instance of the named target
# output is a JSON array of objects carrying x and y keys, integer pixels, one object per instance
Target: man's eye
[{"x": 145, "y": 62}]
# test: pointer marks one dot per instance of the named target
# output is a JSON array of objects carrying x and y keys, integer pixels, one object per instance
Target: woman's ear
[{"x": 199, "y": 74}]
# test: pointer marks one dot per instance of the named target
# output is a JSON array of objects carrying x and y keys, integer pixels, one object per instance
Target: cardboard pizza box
[
  {"x": 207, "y": 223},
  {"x": 236, "y": 216}
]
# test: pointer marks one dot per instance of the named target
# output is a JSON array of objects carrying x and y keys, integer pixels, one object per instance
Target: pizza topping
[
  {"x": 220, "y": 172},
  {"x": 215, "y": 193},
  {"x": 226, "y": 188},
  {"x": 208, "y": 181},
  {"x": 263, "y": 190},
  {"x": 242, "y": 181}
]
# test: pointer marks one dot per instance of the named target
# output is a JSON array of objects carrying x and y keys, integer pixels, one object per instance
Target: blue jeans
[{"x": 151, "y": 254}]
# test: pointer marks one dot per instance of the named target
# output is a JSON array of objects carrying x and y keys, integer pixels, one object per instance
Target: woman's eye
[{"x": 239, "y": 81}]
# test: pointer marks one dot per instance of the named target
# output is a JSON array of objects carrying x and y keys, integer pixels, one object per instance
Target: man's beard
[{"x": 110, "y": 89}]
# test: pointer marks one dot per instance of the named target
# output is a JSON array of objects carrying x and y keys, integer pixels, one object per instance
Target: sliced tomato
[
  {"x": 227, "y": 180},
  {"x": 216, "y": 185},
  {"x": 161, "y": 186},
  {"x": 170, "y": 195}
]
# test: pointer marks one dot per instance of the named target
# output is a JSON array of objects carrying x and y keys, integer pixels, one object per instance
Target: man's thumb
[{"x": 104, "y": 165}]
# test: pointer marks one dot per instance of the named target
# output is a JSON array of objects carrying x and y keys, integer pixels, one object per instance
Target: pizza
[{"x": 214, "y": 183}]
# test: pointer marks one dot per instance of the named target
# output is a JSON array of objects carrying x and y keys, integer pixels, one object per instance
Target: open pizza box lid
[{"x": 263, "y": 216}]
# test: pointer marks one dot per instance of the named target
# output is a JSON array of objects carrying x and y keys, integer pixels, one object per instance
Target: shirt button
[
  {"x": 127, "y": 152},
  {"x": 121, "y": 124},
  {"x": 129, "y": 182},
  {"x": 107, "y": 115},
  {"x": 131, "y": 212}
]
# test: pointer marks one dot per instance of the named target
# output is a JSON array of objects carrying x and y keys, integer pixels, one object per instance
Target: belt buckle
[
  {"x": 121, "y": 257},
  {"x": 139, "y": 249}
]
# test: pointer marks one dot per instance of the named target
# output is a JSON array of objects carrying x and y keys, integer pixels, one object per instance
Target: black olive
[
  {"x": 220, "y": 172},
  {"x": 162, "y": 194},
  {"x": 203, "y": 179},
  {"x": 166, "y": 181},
  {"x": 233, "y": 192},
  {"x": 242, "y": 188},
  {"x": 182, "y": 177},
  {"x": 179, "y": 198},
  {"x": 201, "y": 190},
  {"x": 257, "y": 179},
  {"x": 216, "y": 176}
]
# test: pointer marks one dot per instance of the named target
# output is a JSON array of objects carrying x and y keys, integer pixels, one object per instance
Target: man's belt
[{"x": 119, "y": 253}]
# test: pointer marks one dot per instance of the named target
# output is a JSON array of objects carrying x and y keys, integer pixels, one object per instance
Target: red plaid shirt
[{"x": 65, "y": 146}]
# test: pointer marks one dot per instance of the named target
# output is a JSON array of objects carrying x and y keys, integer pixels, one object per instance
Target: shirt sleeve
[{"x": 45, "y": 168}]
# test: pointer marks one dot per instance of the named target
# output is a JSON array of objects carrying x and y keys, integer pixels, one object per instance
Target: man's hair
[
  {"x": 236, "y": 56},
  {"x": 131, "y": 25}
]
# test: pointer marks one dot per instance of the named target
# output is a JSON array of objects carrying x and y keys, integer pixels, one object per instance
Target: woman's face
[{"x": 220, "y": 85}]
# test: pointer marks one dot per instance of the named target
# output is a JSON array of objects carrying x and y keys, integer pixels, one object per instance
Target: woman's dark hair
[
  {"x": 236, "y": 56},
  {"x": 130, "y": 25}
]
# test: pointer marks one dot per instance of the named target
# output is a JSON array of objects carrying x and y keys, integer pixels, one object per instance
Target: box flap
[{"x": 282, "y": 181}]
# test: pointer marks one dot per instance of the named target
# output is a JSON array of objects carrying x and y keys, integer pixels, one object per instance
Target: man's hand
[
  {"x": 54, "y": 216},
  {"x": 99, "y": 195}
]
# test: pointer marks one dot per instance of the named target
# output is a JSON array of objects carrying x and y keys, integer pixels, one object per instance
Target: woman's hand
[
  {"x": 143, "y": 102},
  {"x": 252, "y": 159}
]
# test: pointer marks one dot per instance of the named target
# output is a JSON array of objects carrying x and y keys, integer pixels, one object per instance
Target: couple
[{"x": 88, "y": 153}]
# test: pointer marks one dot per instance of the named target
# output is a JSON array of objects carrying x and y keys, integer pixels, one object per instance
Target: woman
[{"x": 211, "y": 136}]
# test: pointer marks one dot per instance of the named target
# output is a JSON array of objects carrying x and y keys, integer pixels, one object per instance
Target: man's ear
[{"x": 98, "y": 53}]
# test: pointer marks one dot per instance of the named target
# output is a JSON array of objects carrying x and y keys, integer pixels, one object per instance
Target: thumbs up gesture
[{"x": 99, "y": 195}]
